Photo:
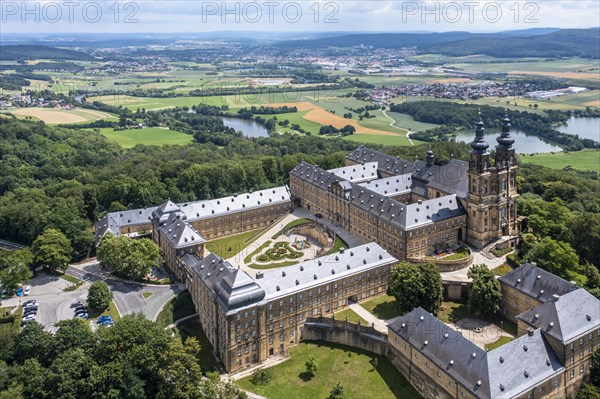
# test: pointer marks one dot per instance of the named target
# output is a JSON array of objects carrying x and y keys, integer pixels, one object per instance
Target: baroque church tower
[{"x": 492, "y": 199}]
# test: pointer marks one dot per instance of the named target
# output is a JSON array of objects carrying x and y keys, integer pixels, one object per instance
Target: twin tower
[{"x": 492, "y": 200}]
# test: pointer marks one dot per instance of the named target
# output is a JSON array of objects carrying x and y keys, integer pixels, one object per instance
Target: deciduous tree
[
  {"x": 52, "y": 249},
  {"x": 485, "y": 294},
  {"x": 416, "y": 285},
  {"x": 99, "y": 295}
]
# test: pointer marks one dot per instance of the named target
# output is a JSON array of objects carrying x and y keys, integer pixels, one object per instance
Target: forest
[{"x": 65, "y": 179}]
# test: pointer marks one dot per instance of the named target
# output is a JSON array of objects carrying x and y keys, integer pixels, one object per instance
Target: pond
[
  {"x": 586, "y": 128},
  {"x": 524, "y": 143},
  {"x": 248, "y": 127}
]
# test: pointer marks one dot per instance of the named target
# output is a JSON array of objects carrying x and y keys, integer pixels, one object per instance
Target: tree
[
  {"x": 33, "y": 342},
  {"x": 180, "y": 373},
  {"x": 595, "y": 368},
  {"x": 99, "y": 295},
  {"x": 588, "y": 391},
  {"x": 337, "y": 392},
  {"x": 52, "y": 249},
  {"x": 71, "y": 334},
  {"x": 14, "y": 267},
  {"x": 485, "y": 294},
  {"x": 416, "y": 285},
  {"x": 127, "y": 257},
  {"x": 311, "y": 366},
  {"x": 557, "y": 257},
  {"x": 586, "y": 236},
  {"x": 261, "y": 377}
]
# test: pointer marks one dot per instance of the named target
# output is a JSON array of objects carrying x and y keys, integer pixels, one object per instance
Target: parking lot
[{"x": 54, "y": 304}]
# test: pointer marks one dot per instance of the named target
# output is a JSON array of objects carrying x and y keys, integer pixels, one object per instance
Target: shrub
[{"x": 261, "y": 377}]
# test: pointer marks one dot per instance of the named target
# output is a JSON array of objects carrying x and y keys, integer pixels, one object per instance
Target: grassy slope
[
  {"x": 176, "y": 309},
  {"x": 355, "y": 373},
  {"x": 352, "y": 316},
  {"x": 582, "y": 160}
]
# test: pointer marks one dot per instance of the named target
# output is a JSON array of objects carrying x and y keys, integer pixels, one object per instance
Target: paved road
[
  {"x": 128, "y": 295},
  {"x": 53, "y": 303}
]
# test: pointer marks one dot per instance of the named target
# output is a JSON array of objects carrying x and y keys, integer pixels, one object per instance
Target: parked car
[
  {"x": 30, "y": 309},
  {"x": 20, "y": 291},
  {"x": 31, "y": 302},
  {"x": 29, "y": 317},
  {"x": 81, "y": 307},
  {"x": 27, "y": 290},
  {"x": 107, "y": 324},
  {"x": 82, "y": 315},
  {"x": 103, "y": 319},
  {"x": 77, "y": 304},
  {"x": 80, "y": 311},
  {"x": 318, "y": 215}
]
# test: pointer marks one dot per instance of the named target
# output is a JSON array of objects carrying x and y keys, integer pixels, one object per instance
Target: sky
[{"x": 172, "y": 16}]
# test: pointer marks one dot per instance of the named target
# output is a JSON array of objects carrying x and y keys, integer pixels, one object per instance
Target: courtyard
[{"x": 354, "y": 369}]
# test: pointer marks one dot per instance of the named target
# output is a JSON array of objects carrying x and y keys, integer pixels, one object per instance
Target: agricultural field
[
  {"x": 147, "y": 136},
  {"x": 57, "y": 116},
  {"x": 353, "y": 368},
  {"x": 587, "y": 159},
  {"x": 563, "y": 103},
  {"x": 150, "y": 103}
]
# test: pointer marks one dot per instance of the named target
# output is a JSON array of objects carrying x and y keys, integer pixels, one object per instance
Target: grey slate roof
[
  {"x": 504, "y": 372},
  {"x": 521, "y": 364},
  {"x": 235, "y": 203},
  {"x": 357, "y": 173},
  {"x": 114, "y": 221},
  {"x": 318, "y": 271},
  {"x": 386, "y": 163},
  {"x": 314, "y": 175},
  {"x": 390, "y": 186},
  {"x": 238, "y": 289},
  {"x": 537, "y": 282},
  {"x": 572, "y": 315},
  {"x": 449, "y": 178},
  {"x": 449, "y": 350},
  {"x": 210, "y": 270},
  {"x": 191, "y": 211},
  {"x": 180, "y": 233}
]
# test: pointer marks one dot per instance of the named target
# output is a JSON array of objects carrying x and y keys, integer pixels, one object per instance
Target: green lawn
[
  {"x": 147, "y": 136},
  {"x": 232, "y": 245},
  {"x": 9, "y": 326},
  {"x": 110, "y": 311},
  {"x": 502, "y": 270},
  {"x": 501, "y": 341},
  {"x": 451, "y": 312},
  {"x": 272, "y": 265},
  {"x": 383, "y": 307},
  {"x": 337, "y": 245},
  {"x": 353, "y": 317},
  {"x": 177, "y": 308},
  {"x": 381, "y": 139},
  {"x": 194, "y": 329},
  {"x": 587, "y": 159},
  {"x": 336, "y": 363},
  {"x": 75, "y": 282},
  {"x": 293, "y": 223}
]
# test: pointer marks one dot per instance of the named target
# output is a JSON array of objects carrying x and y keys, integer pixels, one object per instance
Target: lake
[
  {"x": 524, "y": 144},
  {"x": 586, "y": 128},
  {"x": 248, "y": 127}
]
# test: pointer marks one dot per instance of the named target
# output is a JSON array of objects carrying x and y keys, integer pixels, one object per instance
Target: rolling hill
[{"x": 27, "y": 52}]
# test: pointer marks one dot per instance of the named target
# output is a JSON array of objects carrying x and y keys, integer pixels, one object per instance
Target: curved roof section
[{"x": 238, "y": 289}]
